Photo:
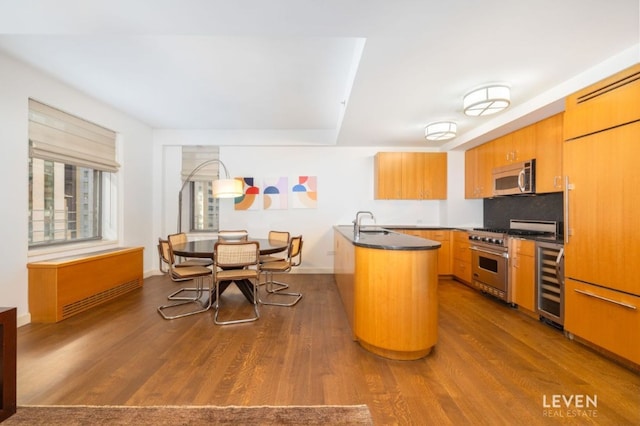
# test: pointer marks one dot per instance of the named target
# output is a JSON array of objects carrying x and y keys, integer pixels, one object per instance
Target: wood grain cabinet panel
[
  {"x": 514, "y": 147},
  {"x": 542, "y": 141},
  {"x": 410, "y": 175},
  {"x": 479, "y": 163},
  {"x": 611, "y": 102},
  {"x": 388, "y": 176},
  {"x": 602, "y": 230},
  {"x": 461, "y": 256},
  {"x": 61, "y": 288},
  {"x": 390, "y": 296},
  {"x": 608, "y": 318},
  {"x": 523, "y": 276},
  {"x": 548, "y": 154},
  {"x": 444, "y": 252}
]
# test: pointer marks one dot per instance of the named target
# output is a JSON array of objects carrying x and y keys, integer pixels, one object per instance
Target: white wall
[
  {"x": 18, "y": 82},
  {"x": 149, "y": 180},
  {"x": 345, "y": 185}
]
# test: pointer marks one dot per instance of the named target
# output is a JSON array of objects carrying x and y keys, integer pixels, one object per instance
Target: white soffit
[{"x": 206, "y": 81}]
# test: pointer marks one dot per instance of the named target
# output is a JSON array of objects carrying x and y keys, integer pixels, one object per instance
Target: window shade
[
  {"x": 193, "y": 156},
  {"x": 57, "y": 136}
]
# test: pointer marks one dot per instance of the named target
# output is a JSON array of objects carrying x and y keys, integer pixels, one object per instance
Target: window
[
  {"x": 71, "y": 162},
  {"x": 198, "y": 171},
  {"x": 204, "y": 208},
  {"x": 64, "y": 203}
]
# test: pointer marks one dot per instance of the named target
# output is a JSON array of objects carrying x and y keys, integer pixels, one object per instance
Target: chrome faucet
[{"x": 356, "y": 222}]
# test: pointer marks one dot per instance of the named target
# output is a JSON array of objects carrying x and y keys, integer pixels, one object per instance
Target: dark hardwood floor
[{"x": 492, "y": 364}]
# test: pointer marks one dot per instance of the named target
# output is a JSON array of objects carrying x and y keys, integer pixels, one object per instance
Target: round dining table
[{"x": 204, "y": 249}]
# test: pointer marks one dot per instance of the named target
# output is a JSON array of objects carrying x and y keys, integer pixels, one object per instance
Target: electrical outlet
[{"x": 331, "y": 253}]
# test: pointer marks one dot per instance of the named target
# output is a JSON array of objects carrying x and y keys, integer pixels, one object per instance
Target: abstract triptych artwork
[{"x": 278, "y": 193}]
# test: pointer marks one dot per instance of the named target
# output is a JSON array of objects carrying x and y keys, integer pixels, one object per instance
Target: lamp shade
[
  {"x": 440, "y": 131},
  {"x": 226, "y": 188},
  {"x": 487, "y": 100}
]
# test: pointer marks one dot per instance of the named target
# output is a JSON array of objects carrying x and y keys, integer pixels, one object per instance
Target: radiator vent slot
[
  {"x": 608, "y": 88},
  {"x": 99, "y": 298}
]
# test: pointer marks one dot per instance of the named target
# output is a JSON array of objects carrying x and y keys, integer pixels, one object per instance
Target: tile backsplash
[{"x": 499, "y": 211}]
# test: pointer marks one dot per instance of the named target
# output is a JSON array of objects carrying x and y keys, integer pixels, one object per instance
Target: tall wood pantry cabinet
[{"x": 602, "y": 242}]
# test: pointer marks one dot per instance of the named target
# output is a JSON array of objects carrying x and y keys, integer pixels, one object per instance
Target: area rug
[{"x": 72, "y": 415}]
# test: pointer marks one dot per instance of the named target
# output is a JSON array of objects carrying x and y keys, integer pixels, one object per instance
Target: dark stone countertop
[{"x": 382, "y": 238}]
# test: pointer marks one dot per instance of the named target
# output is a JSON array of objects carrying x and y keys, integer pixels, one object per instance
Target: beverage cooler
[{"x": 550, "y": 282}]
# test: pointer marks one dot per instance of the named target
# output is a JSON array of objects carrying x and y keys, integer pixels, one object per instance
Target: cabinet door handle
[
  {"x": 567, "y": 187},
  {"x": 606, "y": 299},
  {"x": 559, "y": 267}
]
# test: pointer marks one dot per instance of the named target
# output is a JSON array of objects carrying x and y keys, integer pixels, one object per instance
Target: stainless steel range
[
  {"x": 490, "y": 262},
  {"x": 490, "y": 254}
]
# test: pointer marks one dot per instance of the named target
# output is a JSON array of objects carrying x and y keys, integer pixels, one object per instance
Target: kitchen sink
[{"x": 374, "y": 231}]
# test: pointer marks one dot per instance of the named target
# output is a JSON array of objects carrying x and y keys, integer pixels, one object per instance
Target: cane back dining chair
[
  {"x": 181, "y": 238},
  {"x": 168, "y": 259},
  {"x": 278, "y": 237},
  {"x": 237, "y": 261},
  {"x": 200, "y": 275},
  {"x": 163, "y": 256},
  {"x": 294, "y": 258}
]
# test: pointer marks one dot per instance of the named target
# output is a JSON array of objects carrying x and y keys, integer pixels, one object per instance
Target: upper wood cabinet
[
  {"x": 388, "y": 175},
  {"x": 478, "y": 166},
  {"x": 514, "y": 147},
  {"x": 410, "y": 176},
  {"x": 611, "y": 102},
  {"x": 548, "y": 134},
  {"x": 542, "y": 141}
]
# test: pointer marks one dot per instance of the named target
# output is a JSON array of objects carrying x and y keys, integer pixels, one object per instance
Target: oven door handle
[{"x": 505, "y": 255}]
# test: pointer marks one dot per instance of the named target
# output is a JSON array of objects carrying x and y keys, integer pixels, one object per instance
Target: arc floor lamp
[{"x": 220, "y": 188}]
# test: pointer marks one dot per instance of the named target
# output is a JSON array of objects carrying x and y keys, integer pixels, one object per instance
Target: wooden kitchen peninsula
[{"x": 388, "y": 284}]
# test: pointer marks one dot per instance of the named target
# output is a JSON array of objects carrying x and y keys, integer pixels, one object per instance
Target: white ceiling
[{"x": 345, "y": 72}]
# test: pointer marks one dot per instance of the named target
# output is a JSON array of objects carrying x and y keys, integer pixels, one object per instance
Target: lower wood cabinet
[
  {"x": 607, "y": 318},
  {"x": 444, "y": 252},
  {"x": 461, "y": 256},
  {"x": 523, "y": 275},
  {"x": 390, "y": 297}
]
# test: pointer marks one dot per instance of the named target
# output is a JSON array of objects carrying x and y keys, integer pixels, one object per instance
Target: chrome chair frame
[
  {"x": 280, "y": 236},
  {"x": 176, "y": 272},
  {"x": 235, "y": 261},
  {"x": 198, "y": 274},
  {"x": 294, "y": 258}
]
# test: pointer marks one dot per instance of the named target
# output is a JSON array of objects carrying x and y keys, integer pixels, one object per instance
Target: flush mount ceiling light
[
  {"x": 487, "y": 100},
  {"x": 440, "y": 131}
]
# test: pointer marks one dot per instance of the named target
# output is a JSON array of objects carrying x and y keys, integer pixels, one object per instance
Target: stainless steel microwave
[{"x": 515, "y": 179}]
